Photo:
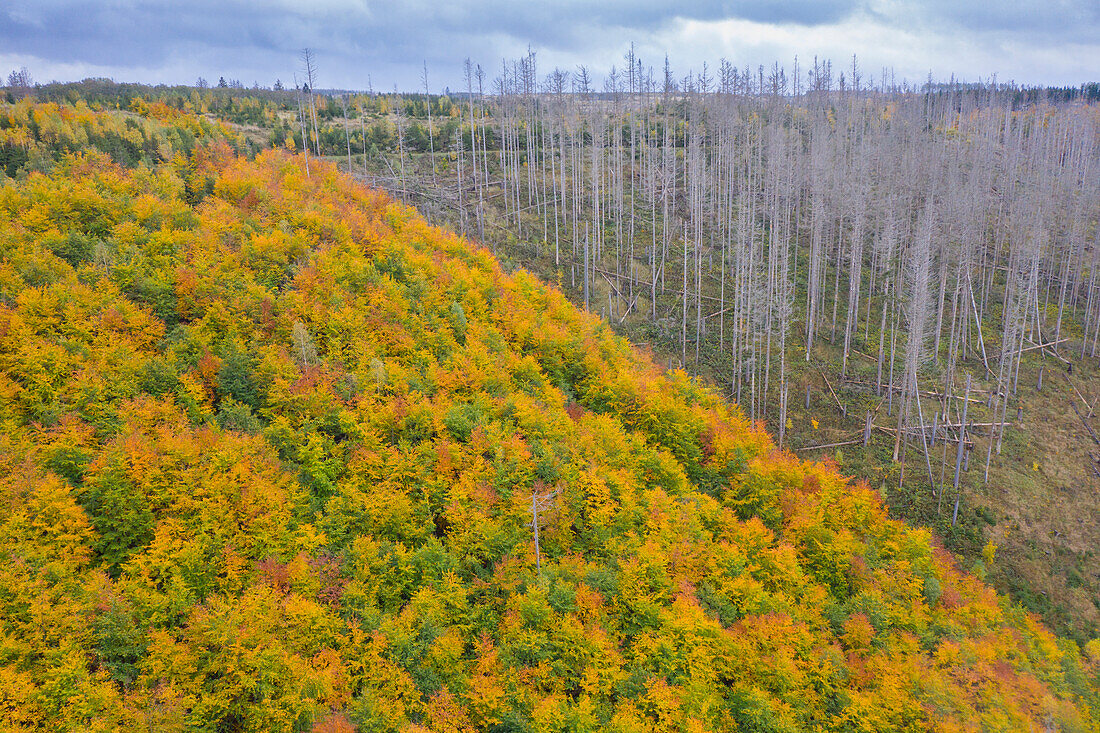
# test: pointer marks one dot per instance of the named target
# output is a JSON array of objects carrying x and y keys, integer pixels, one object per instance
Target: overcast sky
[{"x": 176, "y": 41}]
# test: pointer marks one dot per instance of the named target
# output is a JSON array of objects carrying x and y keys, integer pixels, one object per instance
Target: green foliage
[
  {"x": 75, "y": 248},
  {"x": 236, "y": 378},
  {"x": 120, "y": 643},
  {"x": 69, "y": 462},
  {"x": 461, "y": 419},
  {"x": 458, "y": 322},
  {"x": 233, "y": 415},
  {"x": 120, "y": 514}
]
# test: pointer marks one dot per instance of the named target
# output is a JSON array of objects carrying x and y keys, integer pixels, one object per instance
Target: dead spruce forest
[
  {"x": 887, "y": 274},
  {"x": 646, "y": 399}
]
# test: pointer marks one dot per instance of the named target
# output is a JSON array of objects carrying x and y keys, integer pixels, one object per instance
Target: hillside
[
  {"x": 772, "y": 245},
  {"x": 270, "y": 449}
]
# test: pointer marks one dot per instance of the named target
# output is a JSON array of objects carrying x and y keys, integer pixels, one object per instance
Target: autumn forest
[{"x": 683, "y": 403}]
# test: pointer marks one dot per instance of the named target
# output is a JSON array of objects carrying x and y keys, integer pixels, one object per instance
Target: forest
[
  {"x": 900, "y": 276},
  {"x": 279, "y": 454}
]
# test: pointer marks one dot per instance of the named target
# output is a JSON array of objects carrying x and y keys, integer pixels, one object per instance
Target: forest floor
[{"x": 1039, "y": 508}]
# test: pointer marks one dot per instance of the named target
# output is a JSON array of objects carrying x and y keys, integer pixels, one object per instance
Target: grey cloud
[
  {"x": 134, "y": 32},
  {"x": 389, "y": 38},
  {"x": 1029, "y": 20}
]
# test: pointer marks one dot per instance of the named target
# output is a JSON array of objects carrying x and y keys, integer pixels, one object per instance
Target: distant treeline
[{"x": 373, "y": 119}]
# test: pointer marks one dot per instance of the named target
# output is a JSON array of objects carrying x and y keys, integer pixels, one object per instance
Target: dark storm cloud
[{"x": 391, "y": 38}]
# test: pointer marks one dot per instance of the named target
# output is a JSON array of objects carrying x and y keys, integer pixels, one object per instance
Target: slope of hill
[{"x": 270, "y": 450}]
